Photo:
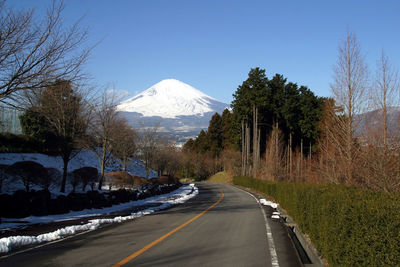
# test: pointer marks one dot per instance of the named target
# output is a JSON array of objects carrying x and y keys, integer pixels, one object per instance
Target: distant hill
[{"x": 373, "y": 120}]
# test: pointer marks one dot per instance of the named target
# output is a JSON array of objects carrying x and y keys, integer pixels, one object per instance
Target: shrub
[
  {"x": 85, "y": 176},
  {"x": 78, "y": 202},
  {"x": 97, "y": 200},
  {"x": 39, "y": 203},
  {"x": 19, "y": 205},
  {"x": 59, "y": 205},
  {"x": 6, "y": 205},
  {"x": 349, "y": 226},
  {"x": 29, "y": 172}
]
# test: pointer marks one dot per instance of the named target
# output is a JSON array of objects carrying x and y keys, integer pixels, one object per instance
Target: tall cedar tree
[
  {"x": 214, "y": 135},
  {"x": 226, "y": 129},
  {"x": 253, "y": 91},
  {"x": 201, "y": 144}
]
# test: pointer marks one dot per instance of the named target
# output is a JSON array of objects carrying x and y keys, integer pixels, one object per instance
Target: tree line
[
  {"x": 277, "y": 130},
  {"x": 41, "y": 73},
  {"x": 263, "y": 104}
]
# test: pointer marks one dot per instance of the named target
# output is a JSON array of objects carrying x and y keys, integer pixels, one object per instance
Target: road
[{"x": 222, "y": 226}]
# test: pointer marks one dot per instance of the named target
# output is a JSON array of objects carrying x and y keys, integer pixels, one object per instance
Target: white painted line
[{"x": 271, "y": 244}]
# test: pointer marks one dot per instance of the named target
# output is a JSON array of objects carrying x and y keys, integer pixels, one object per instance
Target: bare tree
[
  {"x": 35, "y": 53},
  {"x": 167, "y": 159},
  {"x": 379, "y": 155},
  {"x": 148, "y": 145},
  {"x": 103, "y": 129},
  {"x": 349, "y": 88},
  {"x": 332, "y": 143},
  {"x": 274, "y": 156},
  {"x": 384, "y": 95},
  {"x": 124, "y": 143}
]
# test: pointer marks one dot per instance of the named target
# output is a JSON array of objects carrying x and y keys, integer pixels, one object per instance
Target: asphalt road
[{"x": 231, "y": 231}]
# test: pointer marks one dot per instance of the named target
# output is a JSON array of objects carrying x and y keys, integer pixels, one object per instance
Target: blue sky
[{"x": 212, "y": 44}]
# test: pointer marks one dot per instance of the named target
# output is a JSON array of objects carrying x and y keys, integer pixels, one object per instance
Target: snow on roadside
[
  {"x": 275, "y": 214},
  {"x": 269, "y": 203},
  {"x": 180, "y": 195}
]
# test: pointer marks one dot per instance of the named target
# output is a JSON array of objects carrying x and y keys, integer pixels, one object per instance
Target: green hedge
[
  {"x": 19, "y": 143},
  {"x": 349, "y": 226}
]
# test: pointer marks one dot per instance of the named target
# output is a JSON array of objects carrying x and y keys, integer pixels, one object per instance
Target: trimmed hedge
[
  {"x": 19, "y": 143},
  {"x": 39, "y": 203},
  {"x": 349, "y": 226}
]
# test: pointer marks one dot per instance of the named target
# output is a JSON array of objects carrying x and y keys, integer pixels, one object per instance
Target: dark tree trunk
[{"x": 65, "y": 172}]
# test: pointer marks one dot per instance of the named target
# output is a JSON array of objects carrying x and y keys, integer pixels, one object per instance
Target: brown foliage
[
  {"x": 231, "y": 161},
  {"x": 164, "y": 180},
  {"x": 123, "y": 178}
]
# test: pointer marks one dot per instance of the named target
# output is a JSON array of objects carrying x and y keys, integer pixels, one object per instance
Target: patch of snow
[
  {"x": 178, "y": 196},
  {"x": 268, "y": 203}
]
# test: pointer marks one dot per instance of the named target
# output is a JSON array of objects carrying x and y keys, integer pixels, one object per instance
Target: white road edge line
[{"x": 271, "y": 244}]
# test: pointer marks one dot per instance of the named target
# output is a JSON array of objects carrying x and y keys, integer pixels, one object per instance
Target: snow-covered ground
[
  {"x": 82, "y": 159},
  {"x": 9, "y": 243}
]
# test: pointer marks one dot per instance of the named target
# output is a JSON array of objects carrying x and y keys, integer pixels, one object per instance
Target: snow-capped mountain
[
  {"x": 169, "y": 99},
  {"x": 177, "y": 107}
]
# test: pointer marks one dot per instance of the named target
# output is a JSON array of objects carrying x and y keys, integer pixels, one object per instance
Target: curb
[
  {"x": 307, "y": 246},
  {"x": 311, "y": 253}
]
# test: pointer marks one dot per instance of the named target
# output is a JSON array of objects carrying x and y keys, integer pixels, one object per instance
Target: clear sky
[{"x": 212, "y": 44}]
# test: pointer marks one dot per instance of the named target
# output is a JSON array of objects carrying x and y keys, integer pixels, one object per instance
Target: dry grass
[{"x": 221, "y": 177}]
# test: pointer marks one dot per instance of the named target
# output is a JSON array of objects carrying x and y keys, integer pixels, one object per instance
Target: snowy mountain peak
[
  {"x": 169, "y": 98},
  {"x": 172, "y": 87}
]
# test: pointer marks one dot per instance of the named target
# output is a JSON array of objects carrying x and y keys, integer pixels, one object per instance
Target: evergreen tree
[
  {"x": 290, "y": 112},
  {"x": 189, "y": 145},
  {"x": 276, "y": 92},
  {"x": 311, "y": 114},
  {"x": 253, "y": 91},
  {"x": 36, "y": 125},
  {"x": 226, "y": 129},
  {"x": 201, "y": 144},
  {"x": 63, "y": 107},
  {"x": 295, "y": 110},
  {"x": 214, "y": 135}
]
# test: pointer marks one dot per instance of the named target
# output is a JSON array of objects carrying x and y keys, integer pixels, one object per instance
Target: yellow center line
[{"x": 152, "y": 244}]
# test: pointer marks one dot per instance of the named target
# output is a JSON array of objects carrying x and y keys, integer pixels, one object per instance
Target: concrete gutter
[
  {"x": 302, "y": 244},
  {"x": 306, "y": 245}
]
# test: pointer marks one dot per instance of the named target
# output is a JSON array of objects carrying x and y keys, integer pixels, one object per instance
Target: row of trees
[
  {"x": 263, "y": 104},
  {"x": 62, "y": 118},
  {"x": 284, "y": 132},
  {"x": 41, "y": 72},
  {"x": 361, "y": 126}
]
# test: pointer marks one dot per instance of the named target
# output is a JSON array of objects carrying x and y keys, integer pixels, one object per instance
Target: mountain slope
[
  {"x": 169, "y": 99},
  {"x": 178, "y": 108},
  {"x": 373, "y": 121}
]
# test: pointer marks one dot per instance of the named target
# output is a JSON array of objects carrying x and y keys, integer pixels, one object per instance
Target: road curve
[{"x": 231, "y": 231}]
